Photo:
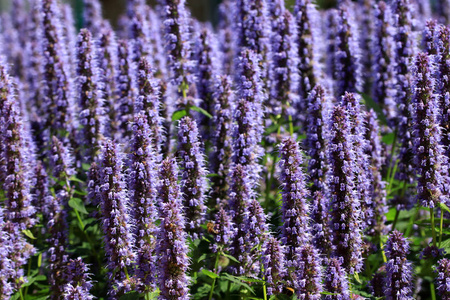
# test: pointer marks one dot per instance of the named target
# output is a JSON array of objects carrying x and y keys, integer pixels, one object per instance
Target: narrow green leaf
[
  {"x": 238, "y": 282},
  {"x": 29, "y": 234},
  {"x": 39, "y": 260},
  {"x": 210, "y": 274},
  {"x": 230, "y": 257},
  {"x": 178, "y": 115},
  {"x": 201, "y": 110}
]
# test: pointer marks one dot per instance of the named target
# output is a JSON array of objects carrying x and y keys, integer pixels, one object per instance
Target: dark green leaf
[
  {"x": 201, "y": 110},
  {"x": 77, "y": 203},
  {"x": 230, "y": 257},
  {"x": 178, "y": 115}
]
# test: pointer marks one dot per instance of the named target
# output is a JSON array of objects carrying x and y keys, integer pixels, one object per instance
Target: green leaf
[
  {"x": 212, "y": 175},
  {"x": 73, "y": 178},
  {"x": 388, "y": 139},
  {"x": 446, "y": 245},
  {"x": 201, "y": 110},
  {"x": 202, "y": 257},
  {"x": 77, "y": 203},
  {"x": 230, "y": 257},
  {"x": 238, "y": 282},
  {"x": 39, "y": 263},
  {"x": 210, "y": 274},
  {"x": 130, "y": 296},
  {"x": 368, "y": 101},
  {"x": 29, "y": 234},
  {"x": 444, "y": 207},
  {"x": 178, "y": 115},
  {"x": 249, "y": 279},
  {"x": 357, "y": 277}
]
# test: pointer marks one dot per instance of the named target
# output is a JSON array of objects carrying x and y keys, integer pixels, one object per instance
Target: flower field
[{"x": 282, "y": 153}]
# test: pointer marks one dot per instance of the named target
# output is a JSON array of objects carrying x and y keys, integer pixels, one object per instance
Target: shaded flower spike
[
  {"x": 6, "y": 264},
  {"x": 142, "y": 181},
  {"x": 173, "y": 262},
  {"x": 220, "y": 159},
  {"x": 193, "y": 183},
  {"x": 443, "y": 278},
  {"x": 345, "y": 209},
  {"x": 403, "y": 54},
  {"x": 294, "y": 196},
  {"x": 383, "y": 84},
  {"x": 320, "y": 217},
  {"x": 336, "y": 281},
  {"x": 316, "y": 131},
  {"x": 149, "y": 103},
  {"x": 41, "y": 189},
  {"x": 139, "y": 30},
  {"x": 309, "y": 273},
  {"x": 374, "y": 152},
  {"x": 274, "y": 266},
  {"x": 61, "y": 161},
  {"x": 92, "y": 16},
  {"x": 428, "y": 37},
  {"x": 78, "y": 281},
  {"x": 429, "y": 159},
  {"x": 222, "y": 230},
  {"x": 226, "y": 35},
  {"x": 57, "y": 87},
  {"x": 107, "y": 55},
  {"x": 348, "y": 67},
  {"x": 331, "y": 26},
  {"x": 89, "y": 96},
  {"x": 116, "y": 224},
  {"x": 398, "y": 280}
]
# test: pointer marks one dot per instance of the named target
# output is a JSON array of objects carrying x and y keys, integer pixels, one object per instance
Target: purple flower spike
[
  {"x": 383, "y": 85},
  {"x": 172, "y": 249},
  {"x": 41, "y": 189},
  {"x": 429, "y": 159},
  {"x": 149, "y": 103},
  {"x": 109, "y": 69},
  {"x": 336, "y": 281},
  {"x": 139, "y": 31},
  {"x": 226, "y": 35},
  {"x": 193, "y": 183},
  {"x": 345, "y": 216},
  {"x": 142, "y": 179},
  {"x": 61, "y": 161},
  {"x": 89, "y": 95},
  {"x": 294, "y": 196},
  {"x": 6, "y": 264},
  {"x": 320, "y": 228},
  {"x": 115, "y": 217},
  {"x": 428, "y": 37},
  {"x": 93, "y": 16},
  {"x": 57, "y": 87},
  {"x": 78, "y": 281},
  {"x": 377, "y": 192},
  {"x": 398, "y": 280},
  {"x": 348, "y": 68},
  {"x": 309, "y": 273},
  {"x": 274, "y": 266},
  {"x": 316, "y": 131},
  {"x": 443, "y": 278},
  {"x": 223, "y": 231},
  {"x": 331, "y": 25}
]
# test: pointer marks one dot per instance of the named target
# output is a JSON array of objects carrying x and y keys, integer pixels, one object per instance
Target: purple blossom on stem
[
  {"x": 142, "y": 184},
  {"x": 226, "y": 36},
  {"x": 274, "y": 265},
  {"x": 40, "y": 191},
  {"x": 365, "y": 21},
  {"x": 223, "y": 231},
  {"x": 173, "y": 260},
  {"x": 93, "y": 16},
  {"x": 78, "y": 281},
  {"x": 193, "y": 183},
  {"x": 345, "y": 208},
  {"x": 116, "y": 221},
  {"x": 159, "y": 59},
  {"x": 6, "y": 264},
  {"x": 429, "y": 159},
  {"x": 309, "y": 273},
  {"x": 93, "y": 184},
  {"x": 139, "y": 31},
  {"x": 336, "y": 281},
  {"x": 320, "y": 229},
  {"x": 331, "y": 26},
  {"x": 443, "y": 278},
  {"x": 89, "y": 95},
  {"x": 398, "y": 280},
  {"x": 428, "y": 37}
]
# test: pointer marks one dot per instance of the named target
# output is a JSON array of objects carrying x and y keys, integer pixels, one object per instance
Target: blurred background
[{"x": 202, "y": 10}]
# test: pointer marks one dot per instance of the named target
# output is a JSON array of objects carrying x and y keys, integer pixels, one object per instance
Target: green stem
[
  {"x": 433, "y": 229},
  {"x": 382, "y": 251},
  {"x": 391, "y": 179},
  {"x": 411, "y": 221},
  {"x": 21, "y": 295},
  {"x": 216, "y": 264},
  {"x": 270, "y": 180},
  {"x": 392, "y": 153},
  {"x": 397, "y": 213},
  {"x": 28, "y": 274},
  {"x": 441, "y": 223},
  {"x": 291, "y": 126},
  {"x": 433, "y": 292},
  {"x": 126, "y": 273}
]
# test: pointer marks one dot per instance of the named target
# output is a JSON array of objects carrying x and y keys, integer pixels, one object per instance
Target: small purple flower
[
  {"x": 193, "y": 183},
  {"x": 93, "y": 16},
  {"x": 78, "y": 280},
  {"x": 173, "y": 260},
  {"x": 309, "y": 273},
  {"x": 6, "y": 265},
  {"x": 139, "y": 30},
  {"x": 320, "y": 229},
  {"x": 336, "y": 281},
  {"x": 398, "y": 280},
  {"x": 274, "y": 265},
  {"x": 443, "y": 278},
  {"x": 226, "y": 36},
  {"x": 432, "y": 252},
  {"x": 223, "y": 231},
  {"x": 428, "y": 37}
]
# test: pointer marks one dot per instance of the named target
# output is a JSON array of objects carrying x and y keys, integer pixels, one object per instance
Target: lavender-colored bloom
[
  {"x": 149, "y": 103},
  {"x": 41, "y": 188},
  {"x": 223, "y": 231},
  {"x": 306, "y": 17},
  {"x": 397, "y": 284},
  {"x": 377, "y": 192},
  {"x": 61, "y": 161},
  {"x": 256, "y": 234},
  {"x": 78, "y": 281},
  {"x": 309, "y": 273},
  {"x": 317, "y": 110},
  {"x": 193, "y": 183},
  {"x": 69, "y": 34},
  {"x": 331, "y": 32},
  {"x": 93, "y": 16},
  {"x": 443, "y": 278},
  {"x": 347, "y": 56},
  {"x": 139, "y": 30},
  {"x": 443, "y": 10},
  {"x": 89, "y": 95},
  {"x": 115, "y": 217},
  {"x": 430, "y": 161},
  {"x": 383, "y": 61},
  {"x": 283, "y": 64},
  {"x": 365, "y": 21},
  {"x": 320, "y": 229},
  {"x": 159, "y": 59},
  {"x": 274, "y": 265},
  {"x": 93, "y": 184},
  {"x": 57, "y": 87},
  {"x": 294, "y": 196},
  {"x": 143, "y": 179},
  {"x": 336, "y": 281},
  {"x": 226, "y": 36},
  {"x": 220, "y": 159},
  {"x": 345, "y": 215},
  {"x": 109, "y": 69},
  {"x": 126, "y": 88},
  {"x": 173, "y": 260},
  {"x": 428, "y": 37},
  {"x": 6, "y": 265},
  {"x": 403, "y": 53},
  {"x": 432, "y": 252}
]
